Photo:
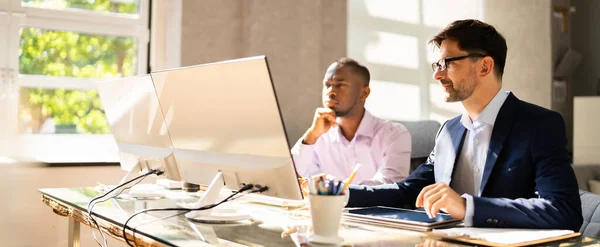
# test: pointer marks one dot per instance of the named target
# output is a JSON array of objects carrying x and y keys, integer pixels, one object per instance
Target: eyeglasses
[{"x": 442, "y": 64}]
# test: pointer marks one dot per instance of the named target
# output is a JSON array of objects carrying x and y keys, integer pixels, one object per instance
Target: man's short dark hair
[
  {"x": 476, "y": 36},
  {"x": 358, "y": 68}
]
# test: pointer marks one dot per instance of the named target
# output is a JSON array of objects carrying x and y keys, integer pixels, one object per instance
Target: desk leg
[{"x": 73, "y": 232}]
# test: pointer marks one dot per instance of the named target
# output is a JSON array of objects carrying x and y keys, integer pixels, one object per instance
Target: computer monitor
[
  {"x": 137, "y": 124},
  {"x": 224, "y": 125}
]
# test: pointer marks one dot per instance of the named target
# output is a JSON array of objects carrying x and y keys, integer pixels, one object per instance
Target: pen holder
[{"x": 325, "y": 214}]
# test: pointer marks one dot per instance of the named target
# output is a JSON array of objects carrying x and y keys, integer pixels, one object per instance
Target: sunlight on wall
[
  {"x": 437, "y": 98},
  {"x": 393, "y": 49},
  {"x": 392, "y": 100},
  {"x": 432, "y": 53},
  {"x": 439, "y": 13},
  {"x": 403, "y": 11},
  {"x": 390, "y": 38}
]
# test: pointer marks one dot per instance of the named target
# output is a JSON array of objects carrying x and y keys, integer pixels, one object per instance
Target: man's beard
[
  {"x": 464, "y": 90},
  {"x": 341, "y": 113},
  {"x": 344, "y": 112}
]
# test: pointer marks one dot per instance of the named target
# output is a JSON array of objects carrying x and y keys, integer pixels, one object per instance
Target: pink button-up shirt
[{"x": 382, "y": 148}]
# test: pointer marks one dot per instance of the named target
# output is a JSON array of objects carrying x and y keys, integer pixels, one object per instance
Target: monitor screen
[{"x": 137, "y": 124}]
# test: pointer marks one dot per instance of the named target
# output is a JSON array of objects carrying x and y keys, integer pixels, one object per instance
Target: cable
[
  {"x": 118, "y": 193},
  {"x": 104, "y": 238},
  {"x": 173, "y": 209},
  {"x": 91, "y": 204},
  {"x": 155, "y": 171},
  {"x": 244, "y": 188},
  {"x": 206, "y": 207},
  {"x": 259, "y": 190}
]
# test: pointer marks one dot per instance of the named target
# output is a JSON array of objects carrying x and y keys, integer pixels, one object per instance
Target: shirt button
[
  {"x": 489, "y": 221},
  {"x": 477, "y": 141},
  {"x": 477, "y": 170},
  {"x": 495, "y": 221}
]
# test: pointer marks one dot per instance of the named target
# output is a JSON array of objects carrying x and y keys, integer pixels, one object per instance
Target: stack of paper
[{"x": 503, "y": 236}]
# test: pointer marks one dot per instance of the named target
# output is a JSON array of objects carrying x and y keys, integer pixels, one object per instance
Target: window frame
[{"x": 69, "y": 148}]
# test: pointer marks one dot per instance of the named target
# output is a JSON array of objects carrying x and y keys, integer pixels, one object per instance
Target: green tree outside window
[{"x": 71, "y": 54}]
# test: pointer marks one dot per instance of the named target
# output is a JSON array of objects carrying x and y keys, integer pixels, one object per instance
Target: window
[
  {"x": 55, "y": 53},
  {"x": 69, "y": 54},
  {"x": 104, "y": 6}
]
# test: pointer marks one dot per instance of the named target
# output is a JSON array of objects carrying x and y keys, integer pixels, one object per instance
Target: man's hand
[
  {"x": 324, "y": 119},
  {"x": 440, "y": 196}
]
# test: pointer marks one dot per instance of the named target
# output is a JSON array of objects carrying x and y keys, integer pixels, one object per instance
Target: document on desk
[{"x": 503, "y": 236}]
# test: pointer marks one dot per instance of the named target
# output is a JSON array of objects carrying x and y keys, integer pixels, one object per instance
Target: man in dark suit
[{"x": 503, "y": 163}]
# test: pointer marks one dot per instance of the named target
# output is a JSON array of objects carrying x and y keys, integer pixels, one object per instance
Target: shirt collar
[
  {"x": 489, "y": 113},
  {"x": 365, "y": 127}
]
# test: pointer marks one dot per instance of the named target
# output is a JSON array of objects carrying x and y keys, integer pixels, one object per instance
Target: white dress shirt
[
  {"x": 382, "y": 147},
  {"x": 468, "y": 171}
]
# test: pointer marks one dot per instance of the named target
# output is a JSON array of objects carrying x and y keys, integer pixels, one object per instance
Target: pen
[
  {"x": 349, "y": 179},
  {"x": 338, "y": 188}
]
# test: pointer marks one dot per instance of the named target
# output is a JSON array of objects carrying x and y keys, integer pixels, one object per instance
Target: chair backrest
[
  {"x": 590, "y": 207},
  {"x": 423, "y": 140}
]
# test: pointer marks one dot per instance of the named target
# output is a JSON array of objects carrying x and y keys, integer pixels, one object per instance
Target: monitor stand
[
  {"x": 141, "y": 191},
  {"x": 136, "y": 167},
  {"x": 215, "y": 215}
]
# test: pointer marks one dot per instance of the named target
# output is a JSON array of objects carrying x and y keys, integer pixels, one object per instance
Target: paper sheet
[{"x": 503, "y": 235}]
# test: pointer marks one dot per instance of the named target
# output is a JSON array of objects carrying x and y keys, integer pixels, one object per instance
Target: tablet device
[{"x": 398, "y": 215}]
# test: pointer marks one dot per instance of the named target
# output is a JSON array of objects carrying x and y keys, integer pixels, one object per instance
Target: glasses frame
[{"x": 442, "y": 64}]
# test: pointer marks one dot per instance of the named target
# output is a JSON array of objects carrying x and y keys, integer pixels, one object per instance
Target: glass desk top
[{"x": 171, "y": 228}]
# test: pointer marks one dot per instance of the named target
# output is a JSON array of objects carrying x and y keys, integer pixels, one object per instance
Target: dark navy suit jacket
[{"x": 527, "y": 182}]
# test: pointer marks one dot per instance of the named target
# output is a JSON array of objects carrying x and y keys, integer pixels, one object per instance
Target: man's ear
[
  {"x": 487, "y": 66},
  {"x": 365, "y": 93}
]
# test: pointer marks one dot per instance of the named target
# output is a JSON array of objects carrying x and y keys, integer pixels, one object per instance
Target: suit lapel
[{"x": 502, "y": 127}]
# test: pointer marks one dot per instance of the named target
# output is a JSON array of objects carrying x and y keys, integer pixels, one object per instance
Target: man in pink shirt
[{"x": 344, "y": 133}]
